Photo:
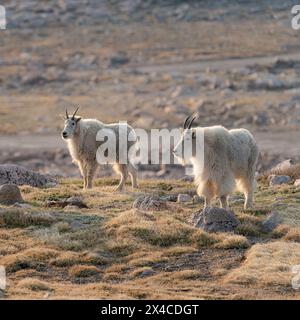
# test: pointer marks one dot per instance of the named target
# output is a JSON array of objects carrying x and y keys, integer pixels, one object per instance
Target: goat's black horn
[
  {"x": 191, "y": 122},
  {"x": 186, "y": 121},
  {"x": 75, "y": 112}
]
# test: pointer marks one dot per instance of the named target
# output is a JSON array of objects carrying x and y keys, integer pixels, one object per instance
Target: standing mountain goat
[
  {"x": 224, "y": 158},
  {"x": 81, "y": 136}
]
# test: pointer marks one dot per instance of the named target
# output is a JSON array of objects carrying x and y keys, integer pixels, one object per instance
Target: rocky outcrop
[{"x": 18, "y": 175}]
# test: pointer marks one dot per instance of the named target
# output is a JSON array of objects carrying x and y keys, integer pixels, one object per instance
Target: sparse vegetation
[{"x": 128, "y": 250}]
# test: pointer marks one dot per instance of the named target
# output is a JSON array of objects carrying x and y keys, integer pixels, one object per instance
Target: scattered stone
[
  {"x": 23, "y": 205},
  {"x": 149, "y": 203},
  {"x": 215, "y": 220},
  {"x": 119, "y": 60},
  {"x": 71, "y": 208},
  {"x": 297, "y": 183},
  {"x": 187, "y": 179},
  {"x": 197, "y": 199},
  {"x": 283, "y": 165},
  {"x": 184, "y": 198},
  {"x": 278, "y": 179},
  {"x": 76, "y": 225},
  {"x": 10, "y": 194},
  {"x": 55, "y": 203},
  {"x": 18, "y": 175},
  {"x": 147, "y": 273},
  {"x": 76, "y": 201},
  {"x": 171, "y": 198},
  {"x": 271, "y": 222}
]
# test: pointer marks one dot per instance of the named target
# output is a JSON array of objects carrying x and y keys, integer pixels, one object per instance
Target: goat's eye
[{"x": 73, "y": 123}]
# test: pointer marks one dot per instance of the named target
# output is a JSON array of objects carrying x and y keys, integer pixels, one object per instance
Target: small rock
[
  {"x": 149, "y": 203},
  {"x": 278, "y": 179},
  {"x": 71, "y": 208},
  {"x": 184, "y": 198},
  {"x": 283, "y": 165},
  {"x": 76, "y": 201},
  {"x": 215, "y": 220},
  {"x": 197, "y": 199},
  {"x": 22, "y": 205},
  {"x": 297, "y": 183},
  {"x": 171, "y": 198},
  {"x": 10, "y": 194},
  {"x": 271, "y": 222},
  {"x": 119, "y": 59},
  {"x": 147, "y": 273}
]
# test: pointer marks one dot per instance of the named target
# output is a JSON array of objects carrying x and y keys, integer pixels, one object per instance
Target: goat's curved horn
[
  {"x": 75, "y": 113},
  {"x": 191, "y": 122},
  {"x": 186, "y": 121},
  {"x": 67, "y": 115}
]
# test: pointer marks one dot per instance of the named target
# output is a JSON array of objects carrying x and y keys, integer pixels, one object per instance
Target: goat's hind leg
[
  {"x": 122, "y": 170},
  {"x": 133, "y": 175}
]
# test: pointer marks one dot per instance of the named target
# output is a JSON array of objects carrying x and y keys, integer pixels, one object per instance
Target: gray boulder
[
  {"x": 18, "y": 175},
  {"x": 283, "y": 165},
  {"x": 149, "y": 203},
  {"x": 275, "y": 180},
  {"x": 271, "y": 222},
  {"x": 297, "y": 183},
  {"x": 10, "y": 194},
  {"x": 182, "y": 197},
  {"x": 215, "y": 220}
]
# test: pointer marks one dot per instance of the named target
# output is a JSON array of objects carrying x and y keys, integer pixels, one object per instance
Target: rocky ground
[
  {"x": 151, "y": 243},
  {"x": 150, "y": 63}
]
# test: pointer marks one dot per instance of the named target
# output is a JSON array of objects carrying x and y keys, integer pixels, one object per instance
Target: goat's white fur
[
  {"x": 83, "y": 147},
  {"x": 230, "y": 158}
]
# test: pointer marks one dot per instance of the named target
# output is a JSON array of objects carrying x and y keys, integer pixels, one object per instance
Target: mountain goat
[
  {"x": 221, "y": 160},
  {"x": 81, "y": 136}
]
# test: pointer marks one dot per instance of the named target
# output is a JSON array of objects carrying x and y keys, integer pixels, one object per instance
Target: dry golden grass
[
  {"x": 233, "y": 242},
  {"x": 34, "y": 284},
  {"x": 83, "y": 271},
  {"x": 267, "y": 265},
  {"x": 121, "y": 252}
]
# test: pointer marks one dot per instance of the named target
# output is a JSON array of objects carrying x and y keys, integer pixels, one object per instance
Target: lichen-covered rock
[
  {"x": 184, "y": 198},
  {"x": 10, "y": 194},
  {"x": 18, "y": 175},
  {"x": 149, "y": 203},
  {"x": 215, "y": 220}
]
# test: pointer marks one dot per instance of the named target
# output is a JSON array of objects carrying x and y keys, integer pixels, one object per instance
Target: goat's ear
[
  {"x": 78, "y": 119},
  {"x": 193, "y": 134}
]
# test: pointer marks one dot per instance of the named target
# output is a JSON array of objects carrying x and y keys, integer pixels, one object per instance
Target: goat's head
[
  {"x": 71, "y": 125},
  {"x": 184, "y": 149}
]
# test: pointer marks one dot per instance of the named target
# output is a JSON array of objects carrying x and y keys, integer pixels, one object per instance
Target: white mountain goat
[
  {"x": 221, "y": 160},
  {"x": 81, "y": 136}
]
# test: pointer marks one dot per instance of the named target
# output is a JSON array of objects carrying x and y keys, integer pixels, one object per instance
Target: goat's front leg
[
  {"x": 91, "y": 170},
  {"x": 207, "y": 202},
  {"x": 82, "y": 169},
  {"x": 224, "y": 202}
]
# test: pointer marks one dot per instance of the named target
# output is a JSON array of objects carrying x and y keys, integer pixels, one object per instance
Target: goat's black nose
[{"x": 64, "y": 134}]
